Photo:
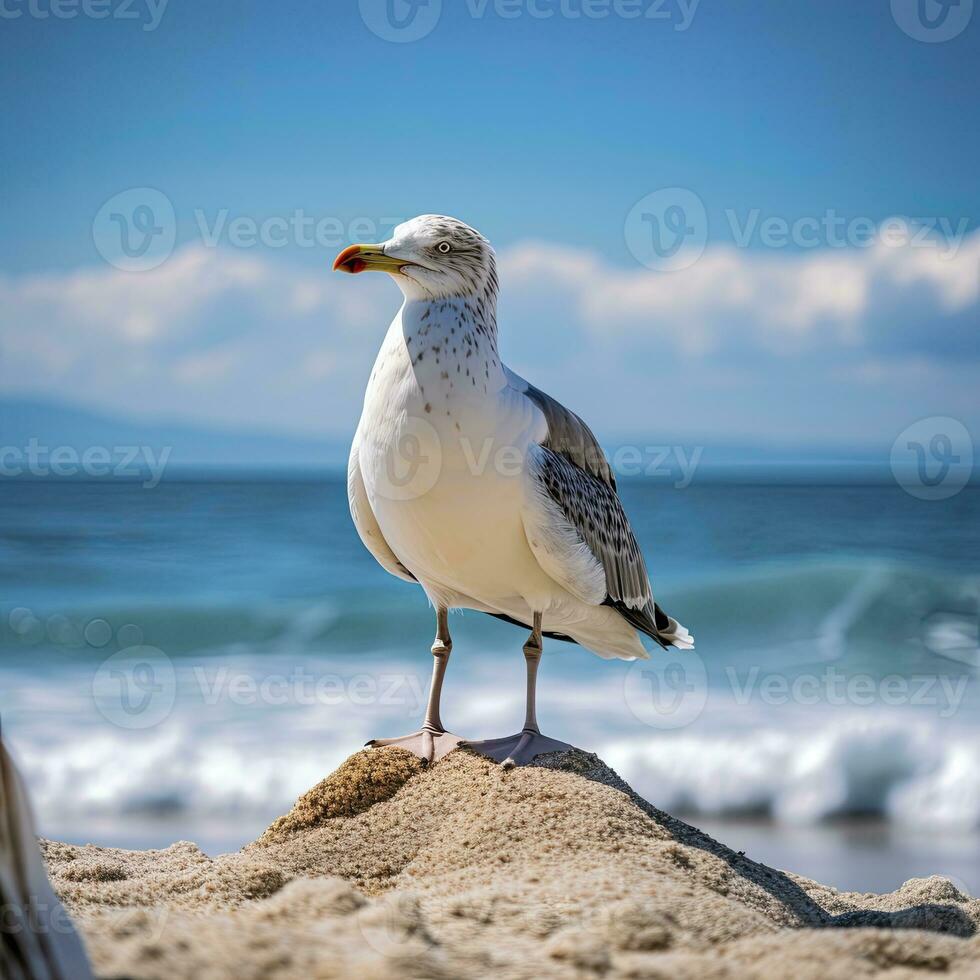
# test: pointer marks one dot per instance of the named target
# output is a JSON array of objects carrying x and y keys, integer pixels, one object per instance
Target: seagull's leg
[
  {"x": 532, "y": 658},
  {"x": 442, "y": 647},
  {"x": 432, "y": 742},
  {"x": 518, "y": 750}
]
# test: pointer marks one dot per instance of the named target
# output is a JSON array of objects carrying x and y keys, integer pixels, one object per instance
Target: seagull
[{"x": 467, "y": 480}]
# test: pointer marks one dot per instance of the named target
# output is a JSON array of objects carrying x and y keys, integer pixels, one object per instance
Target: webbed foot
[
  {"x": 517, "y": 750},
  {"x": 428, "y": 744}
]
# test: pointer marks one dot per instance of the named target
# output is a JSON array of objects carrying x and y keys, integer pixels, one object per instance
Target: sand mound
[{"x": 388, "y": 870}]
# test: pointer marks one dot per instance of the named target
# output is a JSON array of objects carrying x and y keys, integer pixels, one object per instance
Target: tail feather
[
  {"x": 670, "y": 633},
  {"x": 678, "y": 636},
  {"x": 653, "y": 621}
]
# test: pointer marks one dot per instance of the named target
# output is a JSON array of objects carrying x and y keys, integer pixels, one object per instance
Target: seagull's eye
[{"x": 444, "y": 247}]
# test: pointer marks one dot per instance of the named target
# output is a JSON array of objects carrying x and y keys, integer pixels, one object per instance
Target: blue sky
[{"x": 542, "y": 132}]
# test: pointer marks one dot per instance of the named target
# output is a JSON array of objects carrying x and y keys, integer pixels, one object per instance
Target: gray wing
[
  {"x": 567, "y": 435},
  {"x": 366, "y": 523},
  {"x": 590, "y": 508},
  {"x": 575, "y": 521}
]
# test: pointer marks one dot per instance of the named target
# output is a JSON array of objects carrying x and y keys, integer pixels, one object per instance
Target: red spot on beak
[{"x": 348, "y": 261}]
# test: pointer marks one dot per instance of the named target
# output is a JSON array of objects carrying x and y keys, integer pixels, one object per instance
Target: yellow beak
[{"x": 366, "y": 258}]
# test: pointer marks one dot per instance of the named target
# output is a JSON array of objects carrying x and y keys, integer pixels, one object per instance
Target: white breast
[{"x": 442, "y": 444}]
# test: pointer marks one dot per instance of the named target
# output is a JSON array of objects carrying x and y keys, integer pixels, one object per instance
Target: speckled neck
[{"x": 452, "y": 344}]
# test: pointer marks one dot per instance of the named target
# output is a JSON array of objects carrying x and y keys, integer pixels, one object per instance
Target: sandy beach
[{"x": 386, "y": 869}]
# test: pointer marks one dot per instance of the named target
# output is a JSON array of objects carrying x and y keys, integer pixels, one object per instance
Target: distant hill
[{"x": 52, "y": 425}]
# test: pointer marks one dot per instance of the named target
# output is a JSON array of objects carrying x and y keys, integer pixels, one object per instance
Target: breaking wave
[{"x": 915, "y": 774}]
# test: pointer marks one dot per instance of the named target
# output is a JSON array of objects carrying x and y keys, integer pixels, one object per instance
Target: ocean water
[{"x": 181, "y": 662}]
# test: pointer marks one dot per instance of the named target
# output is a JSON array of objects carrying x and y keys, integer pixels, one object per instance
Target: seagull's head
[{"x": 430, "y": 257}]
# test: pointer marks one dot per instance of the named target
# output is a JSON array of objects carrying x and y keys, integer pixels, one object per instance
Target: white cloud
[
  {"x": 211, "y": 335},
  {"x": 779, "y": 302},
  {"x": 132, "y": 308},
  {"x": 216, "y": 335},
  {"x": 208, "y": 366}
]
